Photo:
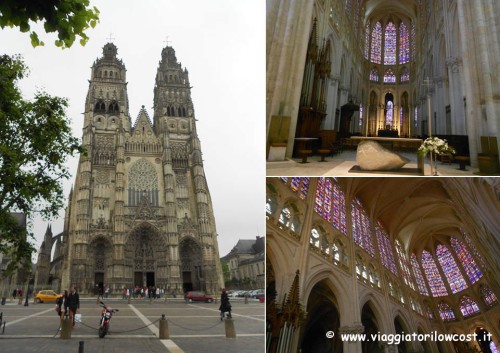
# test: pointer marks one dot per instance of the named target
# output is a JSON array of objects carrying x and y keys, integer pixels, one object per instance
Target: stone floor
[
  {"x": 193, "y": 328},
  {"x": 341, "y": 164}
]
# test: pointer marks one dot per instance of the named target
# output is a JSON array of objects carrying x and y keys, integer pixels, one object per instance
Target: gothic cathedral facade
[{"x": 140, "y": 212}]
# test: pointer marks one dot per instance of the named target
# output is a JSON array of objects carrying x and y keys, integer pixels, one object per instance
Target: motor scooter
[{"x": 107, "y": 313}]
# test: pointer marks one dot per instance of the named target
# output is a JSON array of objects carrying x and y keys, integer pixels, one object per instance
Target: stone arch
[
  {"x": 146, "y": 253},
  {"x": 376, "y": 307},
  {"x": 371, "y": 323},
  {"x": 99, "y": 252},
  {"x": 191, "y": 264},
  {"x": 400, "y": 327}
]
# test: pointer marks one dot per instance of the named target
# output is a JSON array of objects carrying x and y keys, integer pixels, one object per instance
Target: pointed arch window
[
  {"x": 100, "y": 107},
  {"x": 405, "y": 75},
  {"x": 315, "y": 238},
  {"x": 468, "y": 306},
  {"x": 466, "y": 260},
  {"x": 450, "y": 269},
  {"x": 413, "y": 40},
  {"x": 367, "y": 41},
  {"x": 390, "y": 44},
  {"x": 288, "y": 219},
  {"x": 404, "y": 44},
  {"x": 376, "y": 45},
  {"x": 299, "y": 185},
  {"x": 389, "y": 76},
  {"x": 361, "y": 229},
  {"x": 374, "y": 75},
  {"x": 329, "y": 203},
  {"x": 488, "y": 295},
  {"x": 418, "y": 275},
  {"x": 434, "y": 279},
  {"x": 113, "y": 107},
  {"x": 385, "y": 249},
  {"x": 429, "y": 312},
  {"x": 403, "y": 264},
  {"x": 445, "y": 312},
  {"x": 473, "y": 249}
]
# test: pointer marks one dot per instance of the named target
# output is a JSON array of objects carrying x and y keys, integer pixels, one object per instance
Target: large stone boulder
[{"x": 372, "y": 156}]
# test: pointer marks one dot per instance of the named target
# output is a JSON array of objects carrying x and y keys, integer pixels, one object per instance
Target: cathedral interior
[
  {"x": 382, "y": 255},
  {"x": 383, "y": 68}
]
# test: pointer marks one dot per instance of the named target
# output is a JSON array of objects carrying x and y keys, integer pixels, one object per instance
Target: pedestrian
[
  {"x": 106, "y": 292},
  {"x": 73, "y": 304},
  {"x": 225, "y": 305},
  {"x": 61, "y": 303},
  {"x": 14, "y": 293}
]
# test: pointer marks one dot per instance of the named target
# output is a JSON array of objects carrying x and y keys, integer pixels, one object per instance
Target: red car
[{"x": 199, "y": 297}]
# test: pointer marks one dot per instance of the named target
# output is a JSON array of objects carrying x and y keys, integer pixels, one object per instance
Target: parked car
[
  {"x": 199, "y": 297},
  {"x": 258, "y": 293},
  {"x": 232, "y": 293},
  {"x": 46, "y": 296}
]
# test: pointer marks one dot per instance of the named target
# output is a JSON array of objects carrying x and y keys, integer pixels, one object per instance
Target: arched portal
[
  {"x": 144, "y": 251},
  {"x": 400, "y": 330},
  {"x": 191, "y": 265},
  {"x": 322, "y": 316},
  {"x": 369, "y": 321},
  {"x": 99, "y": 254}
]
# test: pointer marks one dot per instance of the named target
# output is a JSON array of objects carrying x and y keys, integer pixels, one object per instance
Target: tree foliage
[
  {"x": 35, "y": 140},
  {"x": 69, "y": 18}
]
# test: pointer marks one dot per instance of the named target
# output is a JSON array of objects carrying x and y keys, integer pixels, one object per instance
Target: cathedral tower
[{"x": 140, "y": 213}]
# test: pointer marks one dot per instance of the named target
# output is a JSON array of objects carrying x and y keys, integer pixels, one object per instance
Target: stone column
[
  {"x": 456, "y": 96},
  {"x": 352, "y": 347}
]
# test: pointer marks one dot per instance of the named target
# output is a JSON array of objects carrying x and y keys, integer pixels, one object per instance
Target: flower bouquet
[{"x": 434, "y": 146}]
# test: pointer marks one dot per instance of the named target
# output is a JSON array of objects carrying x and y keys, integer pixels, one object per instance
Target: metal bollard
[
  {"x": 164, "y": 334},
  {"x": 80, "y": 347},
  {"x": 229, "y": 326},
  {"x": 66, "y": 328},
  {"x": 3, "y": 331}
]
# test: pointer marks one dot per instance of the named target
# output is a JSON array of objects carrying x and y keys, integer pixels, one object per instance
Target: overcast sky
[{"x": 221, "y": 43}]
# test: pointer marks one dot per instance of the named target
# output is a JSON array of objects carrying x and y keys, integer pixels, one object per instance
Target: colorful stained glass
[
  {"x": 468, "y": 306},
  {"x": 467, "y": 261},
  {"x": 389, "y": 76},
  {"x": 488, "y": 295},
  {"x": 390, "y": 44},
  {"x": 376, "y": 47},
  {"x": 405, "y": 75},
  {"x": 361, "y": 229},
  {"x": 385, "y": 249},
  {"x": 413, "y": 40},
  {"x": 403, "y": 264},
  {"x": 418, "y": 275},
  {"x": 445, "y": 312},
  {"x": 374, "y": 76},
  {"x": 300, "y": 186},
  {"x": 284, "y": 179},
  {"x": 286, "y": 219},
  {"x": 404, "y": 44},
  {"x": 434, "y": 279},
  {"x": 473, "y": 249},
  {"x": 367, "y": 41},
  {"x": 493, "y": 347},
  {"x": 330, "y": 203},
  {"x": 450, "y": 269}
]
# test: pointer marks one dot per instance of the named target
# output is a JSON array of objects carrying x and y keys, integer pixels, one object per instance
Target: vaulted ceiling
[{"x": 376, "y": 8}]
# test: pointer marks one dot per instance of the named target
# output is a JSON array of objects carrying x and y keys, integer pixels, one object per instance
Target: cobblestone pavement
[{"x": 193, "y": 328}]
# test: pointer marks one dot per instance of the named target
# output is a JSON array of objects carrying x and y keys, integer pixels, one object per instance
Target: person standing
[
  {"x": 225, "y": 305},
  {"x": 73, "y": 304}
]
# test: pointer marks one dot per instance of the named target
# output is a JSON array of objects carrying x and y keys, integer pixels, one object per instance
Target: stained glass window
[
  {"x": 284, "y": 179},
  {"x": 356, "y": 9},
  {"x": 430, "y": 314},
  {"x": 413, "y": 40},
  {"x": 390, "y": 44},
  {"x": 434, "y": 279},
  {"x": 315, "y": 238},
  {"x": 403, "y": 263},
  {"x": 493, "y": 347},
  {"x": 473, "y": 249},
  {"x": 404, "y": 44},
  {"x": 376, "y": 53},
  {"x": 367, "y": 41},
  {"x": 361, "y": 230},
  {"x": 286, "y": 218},
  {"x": 330, "y": 203},
  {"x": 374, "y": 76},
  {"x": 445, "y": 312},
  {"x": 450, "y": 269},
  {"x": 385, "y": 249},
  {"x": 300, "y": 186},
  {"x": 401, "y": 116},
  {"x": 418, "y": 275},
  {"x": 488, "y": 295},
  {"x": 405, "y": 75},
  {"x": 415, "y": 119},
  {"x": 468, "y": 306},
  {"x": 389, "y": 76},
  {"x": 389, "y": 118},
  {"x": 360, "y": 115},
  {"x": 465, "y": 258}
]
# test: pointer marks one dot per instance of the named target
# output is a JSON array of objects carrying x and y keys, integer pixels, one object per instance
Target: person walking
[
  {"x": 225, "y": 305},
  {"x": 73, "y": 304}
]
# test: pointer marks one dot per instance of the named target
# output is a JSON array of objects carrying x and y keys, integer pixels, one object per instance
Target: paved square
[{"x": 193, "y": 328}]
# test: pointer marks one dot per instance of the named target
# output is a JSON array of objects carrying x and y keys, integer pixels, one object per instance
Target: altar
[{"x": 396, "y": 144}]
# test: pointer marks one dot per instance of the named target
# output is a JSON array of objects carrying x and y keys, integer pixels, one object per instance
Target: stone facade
[{"x": 140, "y": 212}]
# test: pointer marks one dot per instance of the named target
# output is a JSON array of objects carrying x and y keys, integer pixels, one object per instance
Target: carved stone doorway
[{"x": 191, "y": 265}]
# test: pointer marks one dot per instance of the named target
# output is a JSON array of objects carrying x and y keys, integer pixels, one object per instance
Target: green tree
[
  {"x": 35, "y": 140},
  {"x": 225, "y": 272},
  {"x": 69, "y": 18}
]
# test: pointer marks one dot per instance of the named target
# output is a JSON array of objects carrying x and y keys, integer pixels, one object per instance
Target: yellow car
[{"x": 46, "y": 296}]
